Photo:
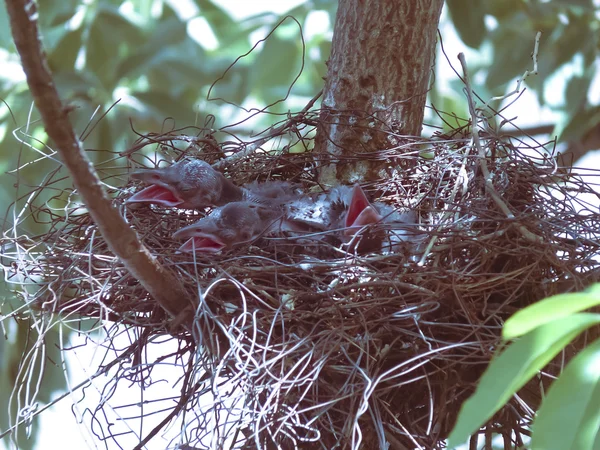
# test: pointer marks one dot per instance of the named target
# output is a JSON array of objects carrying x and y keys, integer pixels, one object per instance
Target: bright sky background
[{"x": 59, "y": 428}]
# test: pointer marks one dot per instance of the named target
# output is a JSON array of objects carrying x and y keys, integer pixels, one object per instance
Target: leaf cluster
[{"x": 568, "y": 418}]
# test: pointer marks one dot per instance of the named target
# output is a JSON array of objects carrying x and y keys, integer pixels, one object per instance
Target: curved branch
[{"x": 121, "y": 239}]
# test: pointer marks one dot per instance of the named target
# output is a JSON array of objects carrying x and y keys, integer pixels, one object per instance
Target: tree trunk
[{"x": 377, "y": 81}]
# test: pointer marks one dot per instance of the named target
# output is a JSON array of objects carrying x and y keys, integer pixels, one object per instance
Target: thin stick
[
  {"x": 489, "y": 185},
  {"x": 526, "y": 74},
  {"x": 273, "y": 133}
]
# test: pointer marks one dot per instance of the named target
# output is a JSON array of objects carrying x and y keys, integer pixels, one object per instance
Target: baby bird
[
  {"x": 194, "y": 184},
  {"x": 389, "y": 229},
  {"x": 346, "y": 213},
  {"x": 186, "y": 184},
  {"x": 226, "y": 226},
  {"x": 343, "y": 213}
]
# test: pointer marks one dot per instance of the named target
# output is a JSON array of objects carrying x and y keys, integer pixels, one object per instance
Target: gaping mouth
[
  {"x": 367, "y": 216},
  {"x": 202, "y": 244},
  {"x": 156, "y": 194}
]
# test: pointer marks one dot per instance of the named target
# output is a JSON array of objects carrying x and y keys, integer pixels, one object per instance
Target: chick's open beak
[
  {"x": 360, "y": 212},
  {"x": 155, "y": 194},
  {"x": 203, "y": 236},
  {"x": 202, "y": 245}
]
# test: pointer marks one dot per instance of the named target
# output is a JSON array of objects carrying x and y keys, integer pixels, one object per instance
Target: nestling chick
[
  {"x": 346, "y": 213},
  {"x": 194, "y": 184},
  {"x": 227, "y": 226}
]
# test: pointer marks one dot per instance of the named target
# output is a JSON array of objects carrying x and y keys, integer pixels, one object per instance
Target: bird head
[
  {"x": 226, "y": 226},
  {"x": 360, "y": 212},
  {"x": 185, "y": 184},
  {"x": 391, "y": 229}
]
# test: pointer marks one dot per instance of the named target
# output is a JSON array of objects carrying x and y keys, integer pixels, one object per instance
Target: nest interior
[{"x": 336, "y": 347}]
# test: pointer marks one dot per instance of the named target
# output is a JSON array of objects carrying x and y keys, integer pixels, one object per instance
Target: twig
[
  {"x": 273, "y": 133},
  {"x": 102, "y": 370},
  {"x": 534, "y": 56},
  {"x": 489, "y": 185}
]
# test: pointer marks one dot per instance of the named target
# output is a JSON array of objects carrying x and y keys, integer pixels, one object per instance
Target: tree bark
[{"x": 377, "y": 81}]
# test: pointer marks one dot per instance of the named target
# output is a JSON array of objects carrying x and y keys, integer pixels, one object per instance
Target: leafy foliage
[
  {"x": 143, "y": 54},
  {"x": 569, "y": 417},
  {"x": 569, "y": 38}
]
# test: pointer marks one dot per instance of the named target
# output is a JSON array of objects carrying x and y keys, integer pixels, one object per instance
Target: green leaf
[
  {"x": 220, "y": 21},
  {"x": 550, "y": 309},
  {"x": 571, "y": 41},
  {"x": 65, "y": 52},
  {"x": 235, "y": 85},
  {"x": 515, "y": 366},
  {"x": 80, "y": 84},
  {"x": 52, "y": 13},
  {"x": 569, "y": 417},
  {"x": 325, "y": 49},
  {"x": 512, "y": 45},
  {"x": 577, "y": 91},
  {"x": 6, "y": 40},
  {"x": 299, "y": 13},
  {"x": 167, "y": 44},
  {"x": 560, "y": 43},
  {"x": 275, "y": 68},
  {"x": 36, "y": 373},
  {"x": 580, "y": 3},
  {"x": 597, "y": 442},
  {"x": 468, "y": 18},
  {"x": 328, "y": 5},
  {"x": 162, "y": 106},
  {"x": 452, "y": 108},
  {"x": 504, "y": 9},
  {"x": 111, "y": 39},
  {"x": 580, "y": 124}
]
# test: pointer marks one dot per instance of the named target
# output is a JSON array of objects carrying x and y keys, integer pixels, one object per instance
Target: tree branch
[{"x": 121, "y": 239}]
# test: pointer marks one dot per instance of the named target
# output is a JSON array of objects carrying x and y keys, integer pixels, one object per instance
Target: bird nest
[{"x": 324, "y": 346}]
